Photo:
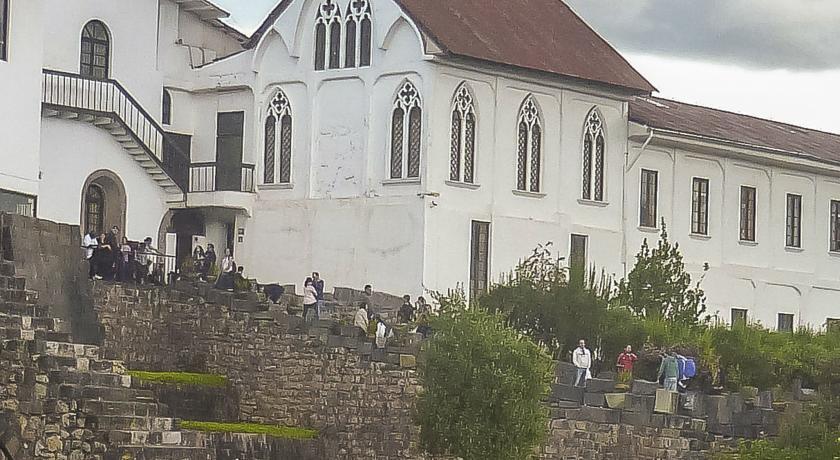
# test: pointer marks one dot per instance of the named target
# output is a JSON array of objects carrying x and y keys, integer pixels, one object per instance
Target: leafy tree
[
  {"x": 659, "y": 288},
  {"x": 482, "y": 388},
  {"x": 543, "y": 300}
]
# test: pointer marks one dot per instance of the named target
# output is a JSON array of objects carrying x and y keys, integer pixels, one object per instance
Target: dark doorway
[
  {"x": 229, "y": 130},
  {"x": 479, "y": 258},
  {"x": 186, "y": 224}
]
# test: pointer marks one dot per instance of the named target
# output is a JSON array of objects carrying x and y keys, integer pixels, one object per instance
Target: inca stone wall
[{"x": 286, "y": 372}]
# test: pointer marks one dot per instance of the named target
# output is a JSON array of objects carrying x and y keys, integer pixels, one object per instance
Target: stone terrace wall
[
  {"x": 286, "y": 372},
  {"x": 49, "y": 255}
]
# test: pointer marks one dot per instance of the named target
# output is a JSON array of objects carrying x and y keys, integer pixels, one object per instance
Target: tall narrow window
[
  {"x": 529, "y": 146},
  {"x": 95, "y": 209},
  {"x": 834, "y": 223},
  {"x": 406, "y": 134},
  {"x": 700, "y": 206},
  {"x": 96, "y": 51},
  {"x": 593, "y": 157},
  {"x": 166, "y": 113},
  {"x": 793, "y": 227},
  {"x": 648, "y": 198},
  {"x": 462, "y": 135},
  {"x": 4, "y": 30},
  {"x": 577, "y": 252},
  {"x": 278, "y": 141},
  {"x": 748, "y": 213},
  {"x": 328, "y": 36},
  {"x": 357, "y": 34}
]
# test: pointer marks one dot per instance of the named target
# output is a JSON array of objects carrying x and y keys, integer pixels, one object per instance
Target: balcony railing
[
  {"x": 109, "y": 98},
  {"x": 205, "y": 177}
]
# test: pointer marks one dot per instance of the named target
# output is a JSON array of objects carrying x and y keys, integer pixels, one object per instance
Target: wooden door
[{"x": 229, "y": 131}]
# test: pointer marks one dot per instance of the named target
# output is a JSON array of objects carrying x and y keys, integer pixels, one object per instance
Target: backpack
[{"x": 690, "y": 368}]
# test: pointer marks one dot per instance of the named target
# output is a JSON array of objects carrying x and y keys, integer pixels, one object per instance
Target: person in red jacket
[{"x": 626, "y": 359}]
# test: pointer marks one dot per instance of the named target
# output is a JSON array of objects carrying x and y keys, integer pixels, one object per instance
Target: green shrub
[{"x": 181, "y": 378}]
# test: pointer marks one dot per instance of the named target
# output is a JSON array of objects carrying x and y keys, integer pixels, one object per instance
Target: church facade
[{"x": 410, "y": 144}]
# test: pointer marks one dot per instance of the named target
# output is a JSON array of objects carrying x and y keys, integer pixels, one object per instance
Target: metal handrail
[
  {"x": 108, "y": 96},
  {"x": 203, "y": 178}
]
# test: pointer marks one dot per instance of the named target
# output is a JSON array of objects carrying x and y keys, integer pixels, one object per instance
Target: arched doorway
[
  {"x": 103, "y": 202},
  {"x": 95, "y": 61}
]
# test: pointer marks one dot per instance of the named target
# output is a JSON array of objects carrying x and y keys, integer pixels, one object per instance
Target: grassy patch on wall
[
  {"x": 181, "y": 378},
  {"x": 274, "y": 431}
]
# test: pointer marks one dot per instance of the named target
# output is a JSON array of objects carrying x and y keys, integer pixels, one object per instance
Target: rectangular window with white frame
[
  {"x": 748, "y": 203},
  {"x": 834, "y": 224},
  {"x": 700, "y": 206},
  {"x": 793, "y": 222},
  {"x": 648, "y": 197},
  {"x": 5, "y": 14}
]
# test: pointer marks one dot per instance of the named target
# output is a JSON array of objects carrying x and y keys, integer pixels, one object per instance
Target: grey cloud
[{"x": 768, "y": 34}]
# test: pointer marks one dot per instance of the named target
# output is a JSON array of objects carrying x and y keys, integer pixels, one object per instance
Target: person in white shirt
[
  {"x": 582, "y": 359},
  {"x": 310, "y": 298},
  {"x": 90, "y": 243},
  {"x": 361, "y": 319}
]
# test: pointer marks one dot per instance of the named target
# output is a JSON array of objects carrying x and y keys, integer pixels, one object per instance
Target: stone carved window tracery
[
  {"x": 278, "y": 141},
  {"x": 406, "y": 135},
  {"x": 343, "y": 41},
  {"x": 462, "y": 150},
  {"x": 358, "y": 34},
  {"x": 529, "y": 146},
  {"x": 593, "y": 157}
]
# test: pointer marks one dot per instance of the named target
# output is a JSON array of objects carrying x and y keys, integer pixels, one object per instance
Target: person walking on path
[
  {"x": 625, "y": 361},
  {"x": 310, "y": 299},
  {"x": 582, "y": 359},
  {"x": 669, "y": 369},
  {"x": 318, "y": 284}
]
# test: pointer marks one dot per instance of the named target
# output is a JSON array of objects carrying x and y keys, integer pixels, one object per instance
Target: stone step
[
  {"x": 130, "y": 423},
  {"x": 7, "y": 268},
  {"x": 93, "y": 392},
  {"x": 12, "y": 282},
  {"x": 157, "y": 438},
  {"x": 90, "y": 378},
  {"x": 49, "y": 363},
  {"x": 18, "y": 333},
  {"x": 132, "y": 408},
  {"x": 159, "y": 453},
  {"x": 68, "y": 349},
  {"x": 22, "y": 309}
]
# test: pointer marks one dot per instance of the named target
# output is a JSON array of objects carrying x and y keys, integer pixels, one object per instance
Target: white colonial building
[{"x": 409, "y": 144}]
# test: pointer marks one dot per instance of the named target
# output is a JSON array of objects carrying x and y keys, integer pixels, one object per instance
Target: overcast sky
[{"x": 777, "y": 59}]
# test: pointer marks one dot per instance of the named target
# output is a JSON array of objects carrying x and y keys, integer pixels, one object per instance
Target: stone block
[
  {"x": 594, "y": 399},
  {"x": 600, "y": 415},
  {"x": 644, "y": 387},
  {"x": 563, "y": 392},
  {"x": 635, "y": 418},
  {"x": 666, "y": 402},
  {"x": 692, "y": 404},
  {"x": 639, "y": 403},
  {"x": 764, "y": 400},
  {"x": 408, "y": 361},
  {"x": 600, "y": 386},
  {"x": 616, "y": 400},
  {"x": 564, "y": 372}
]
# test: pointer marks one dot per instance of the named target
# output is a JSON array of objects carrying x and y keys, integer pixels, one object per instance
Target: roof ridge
[{"x": 732, "y": 112}]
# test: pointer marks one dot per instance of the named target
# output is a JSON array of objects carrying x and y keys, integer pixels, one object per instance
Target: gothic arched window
[
  {"x": 277, "y": 160},
  {"x": 357, "y": 34},
  {"x": 328, "y": 36},
  {"x": 96, "y": 51},
  {"x": 593, "y": 157},
  {"x": 529, "y": 146},
  {"x": 462, "y": 135},
  {"x": 406, "y": 134}
]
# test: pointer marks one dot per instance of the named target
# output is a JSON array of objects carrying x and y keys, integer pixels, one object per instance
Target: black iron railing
[{"x": 109, "y": 98}]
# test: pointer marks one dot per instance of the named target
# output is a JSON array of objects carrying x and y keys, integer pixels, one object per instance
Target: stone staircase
[{"x": 85, "y": 400}]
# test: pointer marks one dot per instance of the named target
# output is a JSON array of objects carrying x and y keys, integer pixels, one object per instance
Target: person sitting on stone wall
[
  {"x": 126, "y": 262},
  {"x": 362, "y": 321},
  {"x": 406, "y": 313},
  {"x": 104, "y": 258},
  {"x": 240, "y": 283},
  {"x": 383, "y": 332},
  {"x": 226, "y": 280}
]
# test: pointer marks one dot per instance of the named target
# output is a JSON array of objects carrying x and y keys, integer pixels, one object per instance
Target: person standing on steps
[
  {"x": 362, "y": 321},
  {"x": 209, "y": 261},
  {"x": 406, "y": 312},
  {"x": 582, "y": 359},
  {"x": 318, "y": 284},
  {"x": 310, "y": 299},
  {"x": 625, "y": 361},
  {"x": 226, "y": 280},
  {"x": 669, "y": 369},
  {"x": 90, "y": 244}
]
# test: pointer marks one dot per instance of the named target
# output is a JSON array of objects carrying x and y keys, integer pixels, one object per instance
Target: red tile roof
[
  {"x": 733, "y": 127},
  {"x": 541, "y": 35}
]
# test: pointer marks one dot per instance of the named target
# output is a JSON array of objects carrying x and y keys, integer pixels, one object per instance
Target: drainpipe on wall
[{"x": 627, "y": 167}]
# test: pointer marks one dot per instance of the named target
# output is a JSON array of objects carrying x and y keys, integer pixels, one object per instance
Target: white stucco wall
[
  {"x": 20, "y": 99},
  {"x": 71, "y": 151},
  {"x": 764, "y": 277}
]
